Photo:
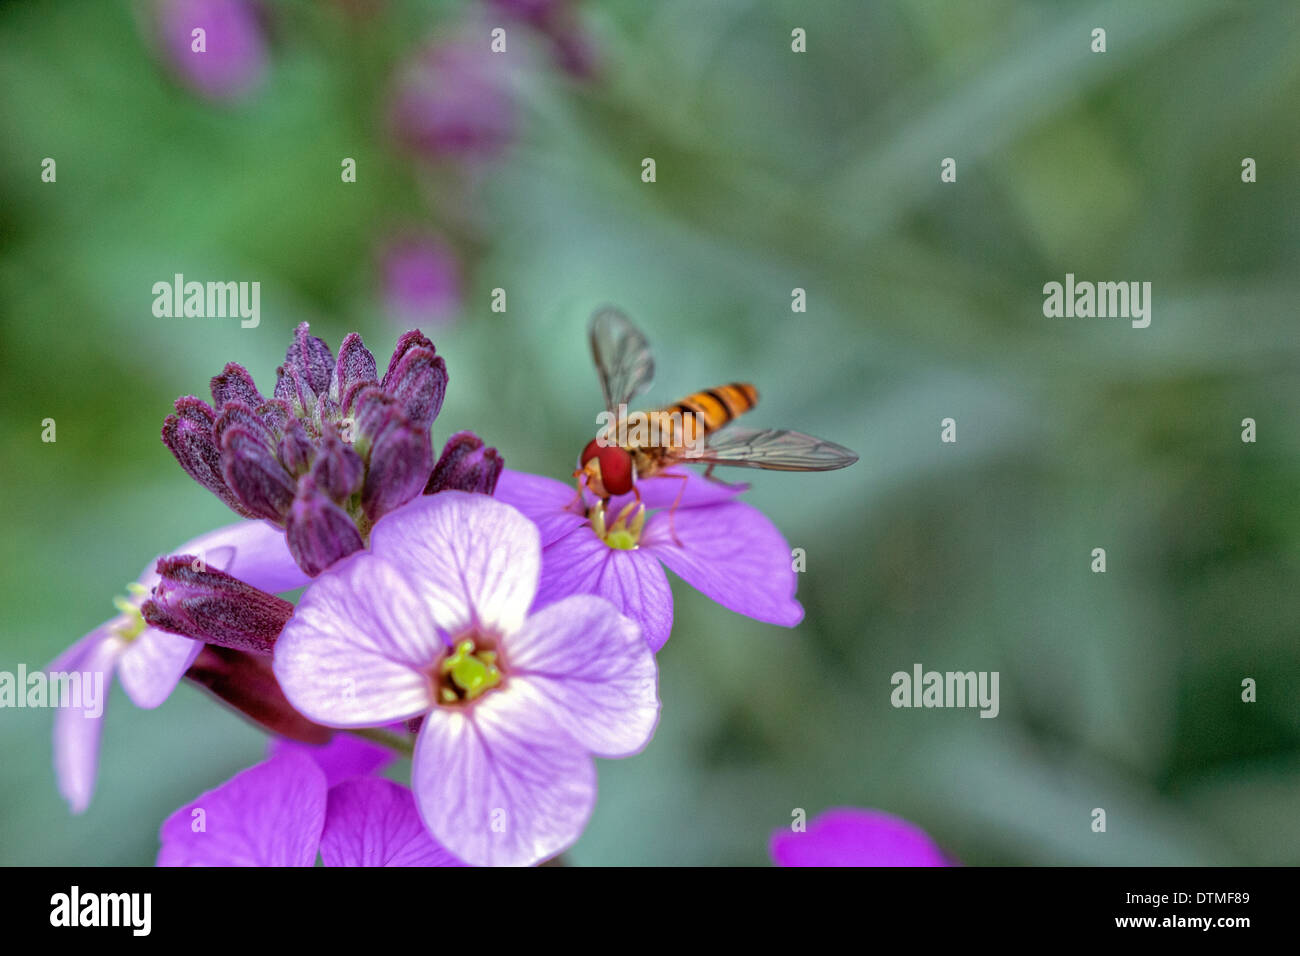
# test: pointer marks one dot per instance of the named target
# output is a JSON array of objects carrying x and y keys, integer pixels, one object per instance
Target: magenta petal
[
  {"x": 663, "y": 490},
  {"x": 268, "y": 815},
  {"x": 732, "y": 554},
  {"x": 344, "y": 757},
  {"x": 851, "y": 837},
  {"x": 500, "y": 784},
  {"x": 590, "y": 667},
  {"x": 77, "y": 731},
  {"x": 632, "y": 580},
  {"x": 543, "y": 500},
  {"x": 371, "y": 822}
]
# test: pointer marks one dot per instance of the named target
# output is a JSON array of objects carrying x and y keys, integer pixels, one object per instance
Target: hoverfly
[{"x": 644, "y": 444}]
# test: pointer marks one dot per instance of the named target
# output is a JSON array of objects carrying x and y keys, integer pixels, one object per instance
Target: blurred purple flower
[
  {"x": 421, "y": 279},
  {"x": 453, "y": 101},
  {"x": 433, "y": 622},
  {"x": 233, "y": 59},
  {"x": 536, "y": 12},
  {"x": 285, "y": 810},
  {"x": 558, "y": 21},
  {"x": 850, "y": 837},
  {"x": 148, "y": 661},
  {"x": 723, "y": 548}
]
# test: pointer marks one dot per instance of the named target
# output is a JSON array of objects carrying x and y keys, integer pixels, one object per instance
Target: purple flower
[
  {"x": 849, "y": 837},
  {"x": 285, "y": 811},
  {"x": 233, "y": 58},
  {"x": 452, "y": 101},
  {"x": 536, "y": 12},
  {"x": 557, "y": 20},
  {"x": 720, "y": 546},
  {"x": 421, "y": 279},
  {"x": 433, "y": 622},
  {"x": 331, "y": 453},
  {"x": 343, "y": 758},
  {"x": 148, "y": 661}
]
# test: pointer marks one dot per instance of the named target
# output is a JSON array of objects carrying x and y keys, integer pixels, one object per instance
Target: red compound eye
[{"x": 615, "y": 469}]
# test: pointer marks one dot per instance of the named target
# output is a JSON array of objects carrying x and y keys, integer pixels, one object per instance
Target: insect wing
[
  {"x": 775, "y": 450},
  {"x": 623, "y": 359}
]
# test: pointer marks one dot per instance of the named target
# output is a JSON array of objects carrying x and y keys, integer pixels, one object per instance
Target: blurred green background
[{"x": 776, "y": 170}]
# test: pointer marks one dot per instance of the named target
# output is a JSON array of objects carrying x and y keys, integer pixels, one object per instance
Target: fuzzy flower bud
[
  {"x": 466, "y": 464},
  {"x": 213, "y": 607}
]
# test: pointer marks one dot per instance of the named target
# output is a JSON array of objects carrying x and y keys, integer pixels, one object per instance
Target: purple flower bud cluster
[{"x": 334, "y": 449}]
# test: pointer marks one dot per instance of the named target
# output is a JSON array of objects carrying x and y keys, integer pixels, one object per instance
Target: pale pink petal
[
  {"x": 474, "y": 560},
  {"x": 589, "y": 666},
  {"x": 253, "y": 551},
  {"x": 372, "y": 822},
  {"x": 268, "y": 815},
  {"x": 357, "y": 651},
  {"x": 153, "y": 663},
  {"x": 77, "y": 731},
  {"x": 632, "y": 580},
  {"x": 72, "y": 656},
  {"x": 544, "y": 501},
  {"x": 499, "y": 784},
  {"x": 732, "y": 554}
]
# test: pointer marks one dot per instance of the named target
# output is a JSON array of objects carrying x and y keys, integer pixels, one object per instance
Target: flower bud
[
  {"x": 319, "y": 532},
  {"x": 465, "y": 465},
  {"x": 213, "y": 607},
  {"x": 189, "y": 436},
  {"x": 255, "y": 475}
]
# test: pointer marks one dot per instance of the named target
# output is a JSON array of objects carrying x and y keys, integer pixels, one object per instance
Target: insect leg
[
  {"x": 578, "y": 475},
  {"x": 672, "y": 529}
]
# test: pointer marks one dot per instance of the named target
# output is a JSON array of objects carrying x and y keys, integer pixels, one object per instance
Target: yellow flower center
[
  {"x": 132, "y": 623},
  {"x": 625, "y": 532},
  {"x": 467, "y": 674}
]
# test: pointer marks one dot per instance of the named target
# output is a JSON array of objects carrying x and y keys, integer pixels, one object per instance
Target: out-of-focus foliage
[{"x": 775, "y": 170}]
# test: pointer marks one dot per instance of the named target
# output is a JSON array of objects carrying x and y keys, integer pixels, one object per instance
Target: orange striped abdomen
[{"x": 711, "y": 408}]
